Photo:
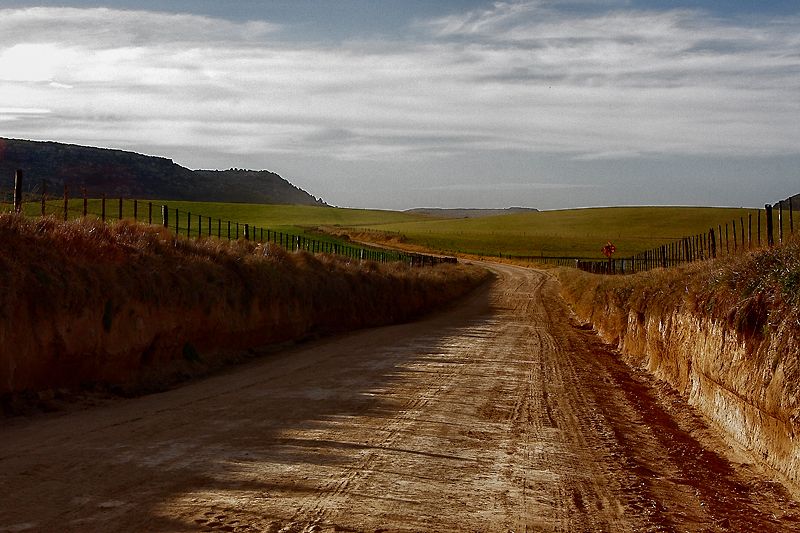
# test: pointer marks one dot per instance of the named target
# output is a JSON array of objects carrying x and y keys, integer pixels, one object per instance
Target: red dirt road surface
[{"x": 500, "y": 414}]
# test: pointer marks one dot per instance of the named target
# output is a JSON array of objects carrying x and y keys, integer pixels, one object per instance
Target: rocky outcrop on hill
[{"x": 132, "y": 175}]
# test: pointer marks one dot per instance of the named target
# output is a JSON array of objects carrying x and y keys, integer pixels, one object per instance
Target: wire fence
[
  {"x": 760, "y": 227},
  {"x": 756, "y": 229},
  {"x": 37, "y": 202}
]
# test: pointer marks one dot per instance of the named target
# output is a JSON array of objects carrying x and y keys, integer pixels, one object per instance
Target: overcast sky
[{"x": 454, "y": 103}]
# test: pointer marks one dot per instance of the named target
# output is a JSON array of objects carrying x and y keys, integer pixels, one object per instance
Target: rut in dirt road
[{"x": 498, "y": 415}]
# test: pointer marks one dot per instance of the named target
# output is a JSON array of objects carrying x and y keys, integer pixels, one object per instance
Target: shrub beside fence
[{"x": 36, "y": 202}]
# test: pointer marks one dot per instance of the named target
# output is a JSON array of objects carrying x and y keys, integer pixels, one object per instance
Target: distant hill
[
  {"x": 132, "y": 175},
  {"x": 469, "y": 213}
]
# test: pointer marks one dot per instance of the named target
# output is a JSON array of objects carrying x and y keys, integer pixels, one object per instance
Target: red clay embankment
[
  {"x": 725, "y": 334},
  {"x": 126, "y": 304}
]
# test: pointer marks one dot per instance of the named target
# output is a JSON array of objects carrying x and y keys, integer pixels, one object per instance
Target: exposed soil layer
[
  {"x": 744, "y": 382},
  {"x": 500, "y": 415},
  {"x": 83, "y": 302}
]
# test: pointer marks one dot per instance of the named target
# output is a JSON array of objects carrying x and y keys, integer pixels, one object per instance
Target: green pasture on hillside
[
  {"x": 291, "y": 219},
  {"x": 292, "y": 216},
  {"x": 572, "y": 232}
]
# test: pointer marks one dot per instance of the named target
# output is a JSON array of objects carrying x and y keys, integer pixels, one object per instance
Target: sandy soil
[{"x": 498, "y": 415}]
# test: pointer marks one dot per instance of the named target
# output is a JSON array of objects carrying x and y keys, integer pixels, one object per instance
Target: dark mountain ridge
[{"x": 131, "y": 175}]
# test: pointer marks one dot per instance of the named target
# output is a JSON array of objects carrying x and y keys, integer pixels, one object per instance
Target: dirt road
[{"x": 498, "y": 415}]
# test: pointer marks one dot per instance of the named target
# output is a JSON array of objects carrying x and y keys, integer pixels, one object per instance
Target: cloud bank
[{"x": 601, "y": 84}]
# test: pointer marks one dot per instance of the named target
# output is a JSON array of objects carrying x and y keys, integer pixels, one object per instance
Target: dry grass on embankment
[
  {"x": 725, "y": 333},
  {"x": 84, "y": 302}
]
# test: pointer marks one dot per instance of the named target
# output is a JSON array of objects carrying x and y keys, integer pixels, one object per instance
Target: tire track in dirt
[
  {"x": 386, "y": 434},
  {"x": 500, "y": 414}
]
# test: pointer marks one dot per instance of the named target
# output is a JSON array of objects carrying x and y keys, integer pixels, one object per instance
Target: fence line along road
[
  {"x": 36, "y": 202},
  {"x": 733, "y": 237}
]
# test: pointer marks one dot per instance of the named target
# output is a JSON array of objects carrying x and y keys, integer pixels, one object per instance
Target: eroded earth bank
[{"x": 501, "y": 414}]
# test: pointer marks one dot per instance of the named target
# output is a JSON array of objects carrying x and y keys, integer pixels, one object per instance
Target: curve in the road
[{"x": 500, "y": 414}]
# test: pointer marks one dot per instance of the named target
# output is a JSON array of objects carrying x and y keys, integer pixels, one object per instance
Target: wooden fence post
[
  {"x": 791, "y": 216},
  {"x": 165, "y": 216},
  {"x": 120, "y": 209},
  {"x": 177, "y": 221},
  {"x": 780, "y": 222},
  {"x": 712, "y": 244},
  {"x": 749, "y": 230},
  {"x": 103, "y": 207},
  {"x": 85, "y": 202},
  {"x": 229, "y": 230},
  {"x": 734, "y": 235},
  {"x": 18, "y": 191},
  {"x": 66, "y": 201},
  {"x": 758, "y": 228},
  {"x": 727, "y": 241},
  {"x": 44, "y": 196},
  {"x": 135, "y": 210},
  {"x": 188, "y": 224},
  {"x": 770, "y": 236},
  {"x": 247, "y": 232},
  {"x": 150, "y": 213},
  {"x": 741, "y": 231}
]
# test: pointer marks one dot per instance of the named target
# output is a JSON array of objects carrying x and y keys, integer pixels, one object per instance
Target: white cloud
[
  {"x": 17, "y": 114},
  {"x": 522, "y": 76},
  {"x": 507, "y": 186},
  {"x": 112, "y": 28},
  {"x": 23, "y": 111}
]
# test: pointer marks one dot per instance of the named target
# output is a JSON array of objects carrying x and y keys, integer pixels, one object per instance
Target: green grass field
[
  {"x": 574, "y": 232},
  {"x": 291, "y": 217},
  {"x": 295, "y": 220}
]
